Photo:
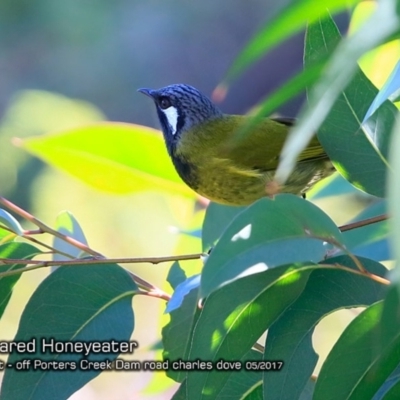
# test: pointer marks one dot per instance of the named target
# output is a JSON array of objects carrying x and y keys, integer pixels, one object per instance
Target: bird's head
[{"x": 180, "y": 107}]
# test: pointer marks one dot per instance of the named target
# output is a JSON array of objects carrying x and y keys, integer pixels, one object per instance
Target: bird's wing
[{"x": 260, "y": 148}]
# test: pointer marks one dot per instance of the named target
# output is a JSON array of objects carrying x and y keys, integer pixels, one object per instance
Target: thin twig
[
  {"x": 88, "y": 261},
  {"x": 159, "y": 294},
  {"x": 364, "y": 222},
  {"x": 37, "y": 264},
  {"x": 27, "y": 236},
  {"x": 149, "y": 287},
  {"x": 24, "y": 214},
  {"x": 349, "y": 227},
  {"x": 34, "y": 232}
]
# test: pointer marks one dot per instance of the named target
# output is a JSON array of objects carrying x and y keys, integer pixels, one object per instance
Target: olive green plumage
[{"x": 234, "y": 172}]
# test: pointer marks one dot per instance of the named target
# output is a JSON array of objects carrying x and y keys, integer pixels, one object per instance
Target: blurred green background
[
  {"x": 70, "y": 63},
  {"x": 101, "y": 52}
]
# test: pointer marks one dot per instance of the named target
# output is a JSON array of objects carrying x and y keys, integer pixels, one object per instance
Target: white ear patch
[{"x": 172, "y": 116}]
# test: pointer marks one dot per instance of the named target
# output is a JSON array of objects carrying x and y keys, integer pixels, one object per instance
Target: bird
[{"x": 202, "y": 144}]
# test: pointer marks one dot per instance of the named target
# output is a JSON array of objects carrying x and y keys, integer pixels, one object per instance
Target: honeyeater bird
[{"x": 209, "y": 159}]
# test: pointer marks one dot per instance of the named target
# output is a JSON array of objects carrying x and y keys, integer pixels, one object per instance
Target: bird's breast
[{"x": 186, "y": 170}]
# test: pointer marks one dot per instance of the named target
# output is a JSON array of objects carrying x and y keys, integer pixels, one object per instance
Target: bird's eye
[{"x": 164, "y": 103}]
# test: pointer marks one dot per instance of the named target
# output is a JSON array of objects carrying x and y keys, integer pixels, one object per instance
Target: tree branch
[
  {"x": 36, "y": 264},
  {"x": 45, "y": 228},
  {"x": 359, "y": 224}
]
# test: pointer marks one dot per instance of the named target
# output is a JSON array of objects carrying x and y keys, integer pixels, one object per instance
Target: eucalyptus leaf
[
  {"x": 391, "y": 87},
  {"x": 365, "y": 355},
  {"x": 391, "y": 388},
  {"x": 254, "y": 393},
  {"x": 67, "y": 224},
  {"x": 10, "y": 222},
  {"x": 176, "y": 275},
  {"x": 269, "y": 233},
  {"x": 177, "y": 334},
  {"x": 353, "y": 352},
  {"x": 286, "y": 92},
  {"x": 114, "y": 157},
  {"x": 13, "y": 250},
  {"x": 393, "y": 193},
  {"x": 290, "y": 337},
  {"x": 243, "y": 384},
  {"x": 6, "y": 236},
  {"x": 287, "y": 18},
  {"x": 78, "y": 304},
  {"x": 222, "y": 329},
  {"x": 308, "y": 391},
  {"x": 181, "y": 291},
  {"x": 360, "y": 158},
  {"x": 180, "y": 394},
  {"x": 216, "y": 220}
]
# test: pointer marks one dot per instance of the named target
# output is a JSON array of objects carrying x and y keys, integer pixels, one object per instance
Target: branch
[
  {"x": 26, "y": 235},
  {"x": 151, "y": 290},
  {"x": 159, "y": 294},
  {"x": 88, "y": 261},
  {"x": 359, "y": 224},
  {"x": 45, "y": 228},
  {"x": 36, "y": 264}
]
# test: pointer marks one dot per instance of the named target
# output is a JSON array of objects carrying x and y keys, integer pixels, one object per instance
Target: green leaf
[
  {"x": 255, "y": 393},
  {"x": 67, "y": 224},
  {"x": 290, "y": 337},
  {"x": 393, "y": 192},
  {"x": 352, "y": 358},
  {"x": 393, "y": 393},
  {"x": 366, "y": 353},
  {"x": 268, "y": 233},
  {"x": 74, "y": 304},
  {"x": 341, "y": 99},
  {"x": 12, "y": 250},
  {"x": 308, "y": 391},
  {"x": 288, "y": 17},
  {"x": 176, "y": 275},
  {"x": 180, "y": 394},
  {"x": 176, "y": 335},
  {"x": 222, "y": 331},
  {"x": 340, "y": 134},
  {"x": 388, "y": 91},
  {"x": 286, "y": 92},
  {"x": 242, "y": 384},
  {"x": 9, "y": 221},
  {"x": 390, "y": 390},
  {"x": 181, "y": 291},
  {"x": 114, "y": 157},
  {"x": 216, "y": 220},
  {"x": 6, "y": 236}
]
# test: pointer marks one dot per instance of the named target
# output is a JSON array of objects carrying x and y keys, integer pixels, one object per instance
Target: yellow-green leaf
[{"x": 115, "y": 157}]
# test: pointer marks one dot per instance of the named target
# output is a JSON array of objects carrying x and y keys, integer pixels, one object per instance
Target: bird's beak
[{"x": 147, "y": 92}]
